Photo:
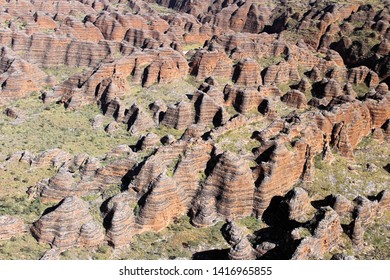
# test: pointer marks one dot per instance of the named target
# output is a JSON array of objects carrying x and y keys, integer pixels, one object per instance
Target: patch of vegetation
[
  {"x": 163, "y": 130},
  {"x": 103, "y": 252},
  {"x": 377, "y": 236},
  {"x": 283, "y": 109},
  {"x": 285, "y": 87},
  {"x": 352, "y": 177},
  {"x": 161, "y": 9},
  {"x": 289, "y": 146},
  {"x": 293, "y": 34},
  {"x": 28, "y": 209},
  {"x": 319, "y": 163},
  {"x": 17, "y": 177},
  {"x": 222, "y": 82},
  {"x": 240, "y": 139},
  {"x": 65, "y": 129},
  {"x": 367, "y": 37},
  {"x": 91, "y": 197},
  {"x": 366, "y": 142},
  {"x": 231, "y": 110},
  {"x": 171, "y": 167},
  {"x": 265, "y": 62},
  {"x": 5, "y": 23},
  {"x": 48, "y": 31},
  {"x": 170, "y": 93},
  {"x": 111, "y": 191},
  {"x": 360, "y": 89},
  {"x": 20, "y": 24},
  {"x": 190, "y": 47},
  {"x": 74, "y": 254},
  {"x": 179, "y": 241},
  {"x": 63, "y": 72},
  {"x": 22, "y": 248},
  {"x": 251, "y": 223}
]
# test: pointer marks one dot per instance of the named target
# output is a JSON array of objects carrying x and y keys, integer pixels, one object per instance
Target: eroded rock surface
[{"x": 221, "y": 111}]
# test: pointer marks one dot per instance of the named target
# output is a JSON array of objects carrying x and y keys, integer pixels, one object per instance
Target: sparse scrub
[
  {"x": 66, "y": 129},
  {"x": 180, "y": 240},
  {"x": 22, "y": 248},
  {"x": 63, "y": 72}
]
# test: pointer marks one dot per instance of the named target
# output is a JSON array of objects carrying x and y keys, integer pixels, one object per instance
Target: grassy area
[
  {"x": 51, "y": 126},
  {"x": 63, "y": 72},
  {"x": 163, "y": 130},
  {"x": 17, "y": 177},
  {"x": 22, "y": 248},
  {"x": 378, "y": 237},
  {"x": 161, "y": 9},
  {"x": 283, "y": 109},
  {"x": 252, "y": 224},
  {"x": 265, "y": 62},
  {"x": 20, "y": 205},
  {"x": 103, "y": 252},
  {"x": 240, "y": 139},
  {"x": 190, "y": 47},
  {"x": 338, "y": 178},
  {"x": 365, "y": 36},
  {"x": 169, "y": 93},
  {"x": 360, "y": 89},
  {"x": 285, "y": 87},
  {"x": 179, "y": 241}
]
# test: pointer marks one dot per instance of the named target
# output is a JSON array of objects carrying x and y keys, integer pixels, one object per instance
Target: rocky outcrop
[
  {"x": 139, "y": 121},
  {"x": 231, "y": 178},
  {"x": 247, "y": 100},
  {"x": 149, "y": 141},
  {"x": 210, "y": 63},
  {"x": 281, "y": 73},
  {"x": 297, "y": 204},
  {"x": 55, "y": 157},
  {"x": 276, "y": 160},
  {"x": 327, "y": 88},
  {"x": 179, "y": 116},
  {"x": 59, "y": 186},
  {"x": 241, "y": 248},
  {"x": 84, "y": 176},
  {"x": 155, "y": 165},
  {"x": 326, "y": 237},
  {"x": 13, "y": 113},
  {"x": 295, "y": 99},
  {"x": 67, "y": 225},
  {"x": 18, "y": 78},
  {"x": 119, "y": 219},
  {"x": 191, "y": 170},
  {"x": 162, "y": 203},
  {"x": 91, "y": 235},
  {"x": 144, "y": 67},
  {"x": 361, "y": 75},
  {"x": 342, "y": 205},
  {"x": 11, "y": 226},
  {"x": 207, "y": 111},
  {"x": 247, "y": 73},
  {"x": 46, "y": 50}
]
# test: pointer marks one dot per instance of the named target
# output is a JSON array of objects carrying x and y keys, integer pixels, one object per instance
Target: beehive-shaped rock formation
[
  {"x": 66, "y": 225},
  {"x": 227, "y": 192}
]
